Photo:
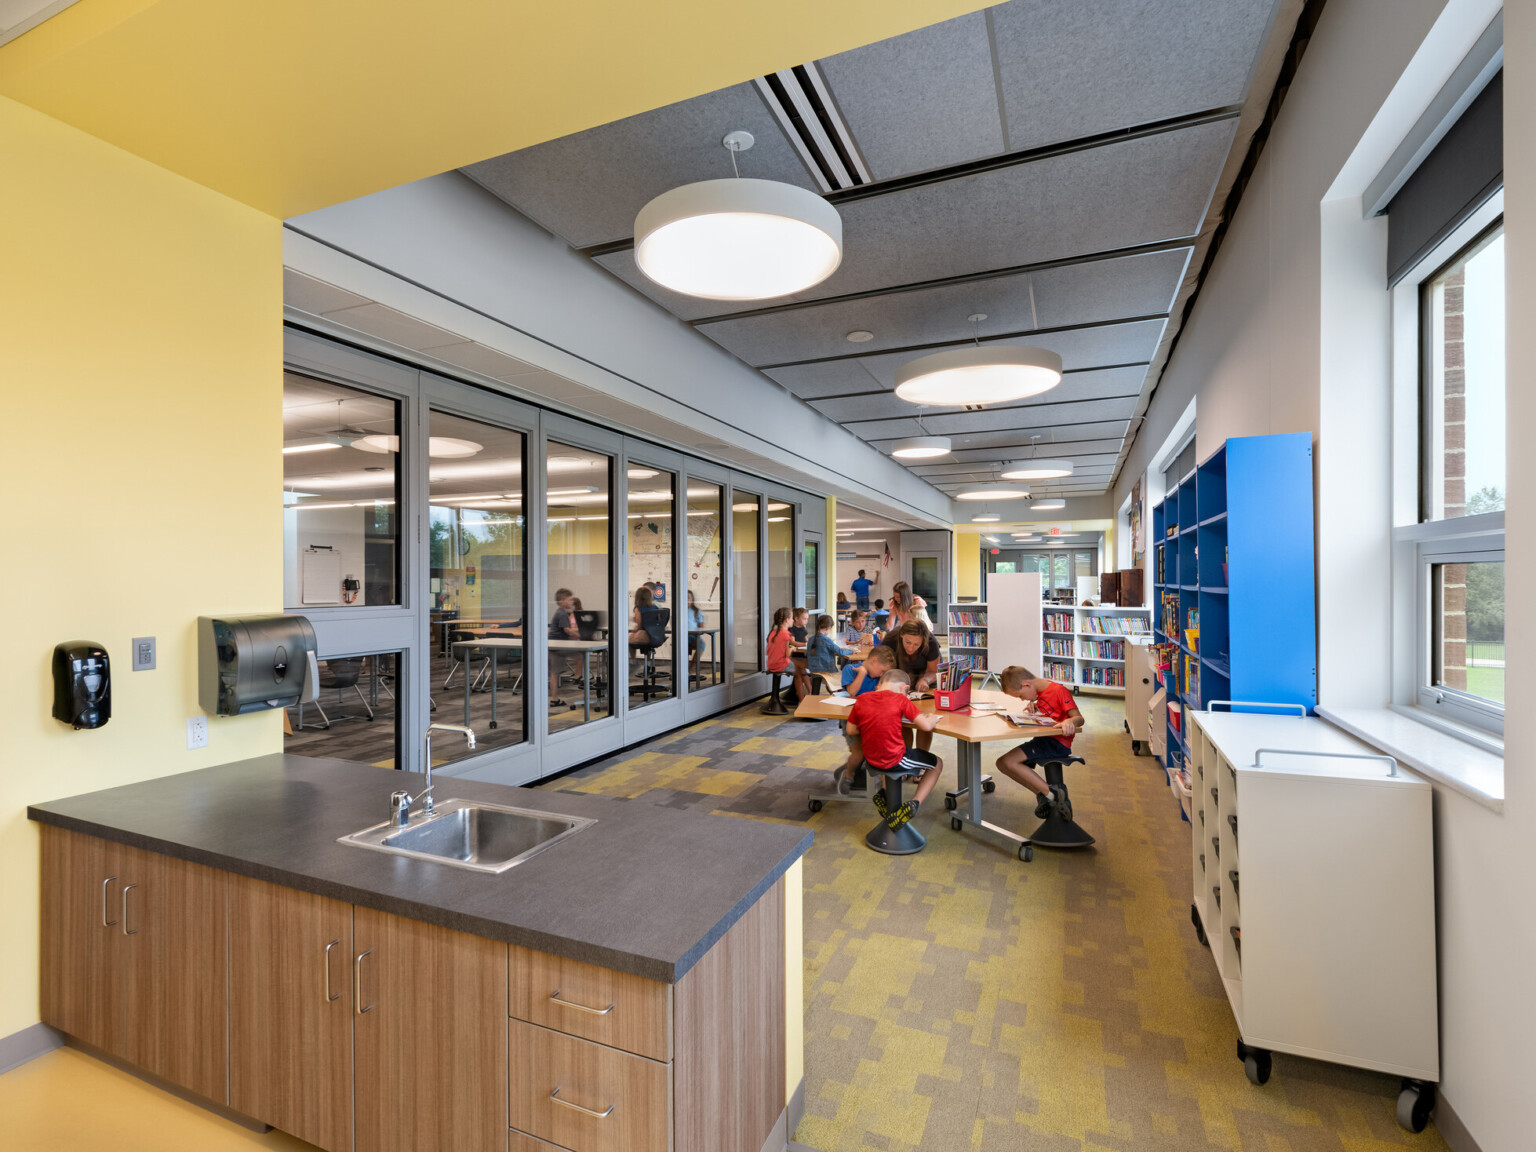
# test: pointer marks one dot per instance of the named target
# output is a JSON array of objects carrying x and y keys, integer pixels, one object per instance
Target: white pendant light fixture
[
  {"x": 921, "y": 447},
  {"x": 976, "y": 376},
  {"x": 1047, "y": 505},
  {"x": 1035, "y": 468},
  {"x": 438, "y": 447},
  {"x": 738, "y": 239},
  {"x": 994, "y": 492},
  {"x": 985, "y": 518}
]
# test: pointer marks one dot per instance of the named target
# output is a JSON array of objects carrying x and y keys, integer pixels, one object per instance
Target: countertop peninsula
[{"x": 645, "y": 890}]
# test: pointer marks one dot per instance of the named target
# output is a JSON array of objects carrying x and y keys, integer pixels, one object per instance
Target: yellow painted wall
[
  {"x": 967, "y": 564},
  {"x": 140, "y": 318}
]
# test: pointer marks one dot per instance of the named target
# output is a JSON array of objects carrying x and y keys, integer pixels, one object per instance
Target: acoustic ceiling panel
[
  {"x": 1144, "y": 191},
  {"x": 1083, "y": 462},
  {"x": 837, "y": 378},
  {"x": 1109, "y": 345},
  {"x": 1070, "y": 70},
  {"x": 587, "y": 187},
  {"x": 920, "y": 101},
  {"x": 1054, "y": 297},
  {"x": 1034, "y": 416},
  {"x": 1007, "y": 445},
  {"x": 886, "y": 432},
  {"x": 1074, "y": 386}
]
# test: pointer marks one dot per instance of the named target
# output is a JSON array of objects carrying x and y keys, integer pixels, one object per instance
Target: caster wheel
[
  {"x": 954, "y": 823},
  {"x": 1257, "y": 1063},
  {"x": 493, "y": 723},
  {"x": 950, "y": 803},
  {"x": 815, "y": 805},
  {"x": 1194, "y": 918},
  {"x": 1026, "y": 852},
  {"x": 989, "y": 786},
  {"x": 1414, "y": 1104}
]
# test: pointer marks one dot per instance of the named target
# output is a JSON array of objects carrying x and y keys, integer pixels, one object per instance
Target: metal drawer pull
[
  {"x": 127, "y": 888},
  {"x": 105, "y": 923},
  {"x": 1258, "y": 757},
  {"x": 555, "y": 1096},
  {"x": 554, "y": 998},
  {"x": 329, "y": 995},
  {"x": 357, "y": 982}
]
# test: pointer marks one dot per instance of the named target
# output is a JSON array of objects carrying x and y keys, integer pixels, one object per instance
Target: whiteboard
[{"x": 320, "y": 576}]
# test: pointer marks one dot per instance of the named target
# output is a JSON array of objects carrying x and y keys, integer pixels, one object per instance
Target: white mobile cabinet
[
  {"x": 1140, "y": 684},
  {"x": 1314, "y": 885}
]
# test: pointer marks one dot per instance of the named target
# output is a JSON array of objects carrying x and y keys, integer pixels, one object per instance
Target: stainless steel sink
[{"x": 465, "y": 834}]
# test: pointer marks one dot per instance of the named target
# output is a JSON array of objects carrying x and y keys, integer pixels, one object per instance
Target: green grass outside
[{"x": 1486, "y": 682}]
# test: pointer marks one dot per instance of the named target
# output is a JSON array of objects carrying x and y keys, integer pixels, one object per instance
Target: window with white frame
[{"x": 1449, "y": 316}]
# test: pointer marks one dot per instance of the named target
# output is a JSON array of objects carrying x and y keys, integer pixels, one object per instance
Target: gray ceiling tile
[
  {"x": 1077, "y": 294},
  {"x": 837, "y": 378},
  {"x": 1031, "y": 416},
  {"x": 986, "y": 445},
  {"x": 1063, "y": 428},
  {"x": 587, "y": 187},
  {"x": 920, "y": 101},
  {"x": 1073, "y": 387},
  {"x": 1070, "y": 69},
  {"x": 1079, "y": 348}
]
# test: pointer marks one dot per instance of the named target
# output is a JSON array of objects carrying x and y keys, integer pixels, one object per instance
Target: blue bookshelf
[{"x": 1233, "y": 554}]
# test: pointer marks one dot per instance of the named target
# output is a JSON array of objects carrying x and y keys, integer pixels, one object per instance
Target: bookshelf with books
[
  {"x": 1233, "y": 557},
  {"x": 1089, "y": 641}
]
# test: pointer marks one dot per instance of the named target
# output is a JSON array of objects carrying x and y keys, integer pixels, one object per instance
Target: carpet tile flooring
[{"x": 960, "y": 999}]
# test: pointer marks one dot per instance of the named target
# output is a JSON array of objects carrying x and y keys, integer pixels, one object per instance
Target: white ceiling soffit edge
[
  {"x": 353, "y": 300},
  {"x": 1471, "y": 76},
  {"x": 18, "y": 17}
]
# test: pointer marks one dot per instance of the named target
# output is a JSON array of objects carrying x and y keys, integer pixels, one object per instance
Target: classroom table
[
  {"x": 971, "y": 731},
  {"x": 496, "y": 643},
  {"x": 716, "y": 670}
]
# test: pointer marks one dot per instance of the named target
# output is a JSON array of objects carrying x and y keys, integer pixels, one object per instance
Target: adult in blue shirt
[{"x": 861, "y": 588}]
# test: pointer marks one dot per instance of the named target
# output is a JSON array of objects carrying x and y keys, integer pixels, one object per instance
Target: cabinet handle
[
  {"x": 105, "y": 923},
  {"x": 357, "y": 982},
  {"x": 127, "y": 888},
  {"x": 555, "y": 1096},
  {"x": 329, "y": 995},
  {"x": 554, "y": 998}
]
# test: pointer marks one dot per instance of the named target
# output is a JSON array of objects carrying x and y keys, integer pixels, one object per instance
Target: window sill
[{"x": 1445, "y": 759}]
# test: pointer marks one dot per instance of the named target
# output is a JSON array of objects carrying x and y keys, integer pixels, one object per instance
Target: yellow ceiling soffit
[{"x": 293, "y": 105}]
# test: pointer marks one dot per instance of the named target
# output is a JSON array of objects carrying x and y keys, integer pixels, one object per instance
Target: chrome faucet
[{"x": 400, "y": 802}]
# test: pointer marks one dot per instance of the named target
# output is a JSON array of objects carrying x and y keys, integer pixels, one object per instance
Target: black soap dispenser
[{"x": 82, "y": 684}]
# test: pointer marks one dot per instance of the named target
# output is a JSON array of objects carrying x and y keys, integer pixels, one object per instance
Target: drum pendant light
[
  {"x": 976, "y": 376},
  {"x": 738, "y": 239},
  {"x": 1035, "y": 468}
]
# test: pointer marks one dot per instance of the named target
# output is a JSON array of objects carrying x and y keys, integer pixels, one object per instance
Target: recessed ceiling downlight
[
  {"x": 994, "y": 492},
  {"x": 1037, "y": 470},
  {"x": 738, "y": 239},
  {"x": 979, "y": 375},
  {"x": 921, "y": 447}
]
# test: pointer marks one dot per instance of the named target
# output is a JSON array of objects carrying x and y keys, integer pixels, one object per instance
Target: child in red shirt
[
  {"x": 875, "y": 719},
  {"x": 779, "y": 640},
  {"x": 1055, "y": 702}
]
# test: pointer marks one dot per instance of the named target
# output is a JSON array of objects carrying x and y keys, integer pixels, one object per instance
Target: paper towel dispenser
[{"x": 251, "y": 663}]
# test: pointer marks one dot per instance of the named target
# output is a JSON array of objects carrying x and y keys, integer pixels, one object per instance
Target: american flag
[{"x": 885, "y": 561}]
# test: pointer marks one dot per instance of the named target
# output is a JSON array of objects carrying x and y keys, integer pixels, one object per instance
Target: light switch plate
[
  {"x": 143, "y": 653},
  {"x": 197, "y": 732}
]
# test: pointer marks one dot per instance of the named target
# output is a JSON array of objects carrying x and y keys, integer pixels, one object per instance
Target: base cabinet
[
  {"x": 361, "y": 1031},
  {"x": 134, "y": 957}
]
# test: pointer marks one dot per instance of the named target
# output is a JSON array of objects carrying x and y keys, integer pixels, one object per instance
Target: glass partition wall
[{"x": 438, "y": 536}]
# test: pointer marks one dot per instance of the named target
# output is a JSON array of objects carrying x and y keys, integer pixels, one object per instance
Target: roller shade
[{"x": 1462, "y": 171}]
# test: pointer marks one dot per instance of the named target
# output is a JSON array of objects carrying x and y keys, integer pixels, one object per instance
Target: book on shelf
[
  {"x": 967, "y": 618},
  {"x": 1058, "y": 622},
  {"x": 967, "y": 639},
  {"x": 1057, "y": 646},
  {"x": 1062, "y": 673},
  {"x": 1102, "y": 649},
  {"x": 975, "y": 661},
  {"x": 1114, "y": 625},
  {"x": 1103, "y": 677}
]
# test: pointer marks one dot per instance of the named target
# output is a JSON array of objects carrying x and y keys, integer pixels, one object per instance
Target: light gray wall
[
  {"x": 470, "y": 250},
  {"x": 1289, "y": 334}
]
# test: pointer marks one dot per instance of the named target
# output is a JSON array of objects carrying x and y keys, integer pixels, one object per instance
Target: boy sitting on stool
[
  {"x": 875, "y": 719},
  {"x": 857, "y": 680},
  {"x": 1050, "y": 699}
]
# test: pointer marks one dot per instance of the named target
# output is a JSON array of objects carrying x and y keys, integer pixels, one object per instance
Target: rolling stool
[
  {"x": 775, "y": 706},
  {"x": 1055, "y": 832},
  {"x": 901, "y": 841},
  {"x": 858, "y": 789}
]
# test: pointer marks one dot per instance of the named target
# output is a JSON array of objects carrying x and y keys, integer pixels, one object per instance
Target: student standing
[
  {"x": 1054, "y": 701},
  {"x": 917, "y": 655},
  {"x": 562, "y": 626},
  {"x": 695, "y": 620},
  {"x": 876, "y": 718},
  {"x": 861, "y": 588}
]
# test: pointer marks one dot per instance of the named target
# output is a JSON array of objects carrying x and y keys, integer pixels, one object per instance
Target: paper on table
[{"x": 839, "y": 701}]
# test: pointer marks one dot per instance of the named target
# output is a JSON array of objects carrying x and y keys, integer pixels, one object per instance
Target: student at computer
[
  {"x": 1053, "y": 701},
  {"x": 861, "y": 588},
  {"x": 876, "y": 718}
]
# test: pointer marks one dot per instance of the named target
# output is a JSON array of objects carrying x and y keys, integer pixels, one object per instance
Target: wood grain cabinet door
[
  {"x": 169, "y": 965},
  {"x": 290, "y": 1011},
  {"x": 80, "y": 893},
  {"x": 430, "y": 1037}
]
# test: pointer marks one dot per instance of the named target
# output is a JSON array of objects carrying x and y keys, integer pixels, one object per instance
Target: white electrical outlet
[{"x": 197, "y": 732}]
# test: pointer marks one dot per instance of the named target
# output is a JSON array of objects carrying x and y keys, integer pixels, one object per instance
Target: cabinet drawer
[
  {"x": 613, "y": 1008},
  {"x": 609, "y": 1101}
]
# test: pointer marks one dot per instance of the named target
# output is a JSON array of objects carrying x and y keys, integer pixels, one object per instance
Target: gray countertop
[{"x": 645, "y": 890}]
